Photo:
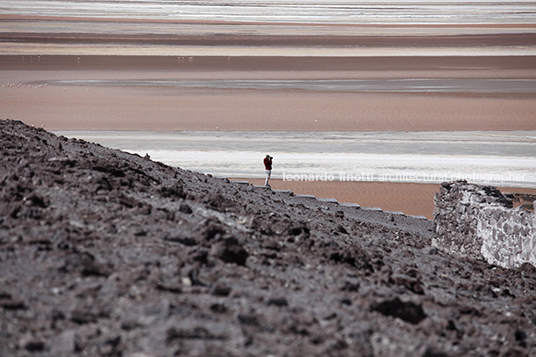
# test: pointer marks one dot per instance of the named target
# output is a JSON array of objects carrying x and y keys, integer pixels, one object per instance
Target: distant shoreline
[{"x": 211, "y": 22}]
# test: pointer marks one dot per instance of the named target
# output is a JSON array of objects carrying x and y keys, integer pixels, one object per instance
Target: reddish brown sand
[
  {"x": 59, "y": 107},
  {"x": 410, "y": 198}
]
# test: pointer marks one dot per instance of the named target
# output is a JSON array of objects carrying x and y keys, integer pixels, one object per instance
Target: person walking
[{"x": 268, "y": 169}]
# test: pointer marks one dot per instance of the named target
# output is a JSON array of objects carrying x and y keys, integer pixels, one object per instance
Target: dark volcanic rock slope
[{"x": 103, "y": 253}]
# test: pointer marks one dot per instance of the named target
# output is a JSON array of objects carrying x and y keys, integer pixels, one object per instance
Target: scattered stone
[
  {"x": 230, "y": 250},
  {"x": 12, "y": 304},
  {"x": 407, "y": 311},
  {"x": 220, "y": 290},
  {"x": 354, "y": 256},
  {"x": 277, "y": 301},
  {"x": 410, "y": 283},
  {"x": 431, "y": 250},
  {"x": 197, "y": 332},
  {"x": 176, "y": 191},
  {"x": 171, "y": 287},
  {"x": 184, "y": 208},
  {"x": 34, "y": 345},
  {"x": 182, "y": 240},
  {"x": 350, "y": 286}
]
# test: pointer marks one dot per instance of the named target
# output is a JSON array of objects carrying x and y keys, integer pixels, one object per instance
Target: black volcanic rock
[
  {"x": 407, "y": 311},
  {"x": 107, "y": 253}
]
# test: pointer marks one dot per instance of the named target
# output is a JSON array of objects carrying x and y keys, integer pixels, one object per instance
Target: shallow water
[
  {"x": 497, "y": 158},
  {"x": 350, "y": 85}
]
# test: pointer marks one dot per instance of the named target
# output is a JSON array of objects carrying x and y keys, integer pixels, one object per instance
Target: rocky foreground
[{"x": 104, "y": 253}]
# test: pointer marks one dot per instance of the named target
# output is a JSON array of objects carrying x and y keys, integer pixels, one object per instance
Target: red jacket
[{"x": 267, "y": 163}]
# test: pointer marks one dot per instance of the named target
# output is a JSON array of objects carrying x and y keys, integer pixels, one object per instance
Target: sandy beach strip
[
  {"x": 274, "y": 27},
  {"x": 168, "y": 109},
  {"x": 20, "y": 17},
  {"x": 269, "y": 67},
  {"x": 409, "y": 198},
  {"x": 111, "y": 49},
  {"x": 277, "y": 39}
]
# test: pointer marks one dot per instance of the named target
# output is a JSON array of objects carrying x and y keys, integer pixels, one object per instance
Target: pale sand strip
[
  {"x": 50, "y": 26},
  {"x": 253, "y": 51},
  {"x": 80, "y": 108}
]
